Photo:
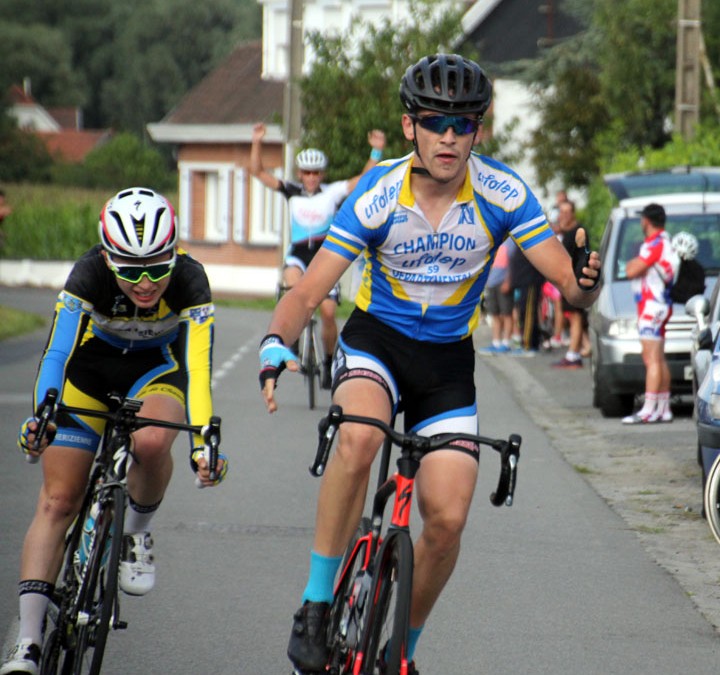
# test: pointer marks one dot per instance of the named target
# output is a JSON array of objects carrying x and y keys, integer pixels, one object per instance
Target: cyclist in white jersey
[
  {"x": 429, "y": 226},
  {"x": 312, "y": 205}
]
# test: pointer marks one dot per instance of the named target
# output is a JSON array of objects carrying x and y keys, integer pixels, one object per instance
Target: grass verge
[
  {"x": 343, "y": 311},
  {"x": 16, "y": 322}
]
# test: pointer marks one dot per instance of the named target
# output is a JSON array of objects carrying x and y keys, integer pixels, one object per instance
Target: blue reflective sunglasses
[{"x": 439, "y": 124}]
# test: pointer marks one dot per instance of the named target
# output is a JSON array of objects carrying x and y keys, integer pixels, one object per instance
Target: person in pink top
[{"x": 653, "y": 271}]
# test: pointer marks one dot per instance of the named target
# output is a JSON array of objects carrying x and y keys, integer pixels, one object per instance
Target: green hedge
[{"x": 51, "y": 222}]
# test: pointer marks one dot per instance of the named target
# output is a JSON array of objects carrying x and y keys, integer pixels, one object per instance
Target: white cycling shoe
[
  {"x": 24, "y": 658},
  {"x": 137, "y": 566}
]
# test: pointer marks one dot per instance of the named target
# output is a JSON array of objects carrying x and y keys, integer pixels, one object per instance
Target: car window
[{"x": 706, "y": 227}]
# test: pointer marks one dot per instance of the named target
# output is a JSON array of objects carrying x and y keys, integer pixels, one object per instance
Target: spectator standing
[
  {"x": 577, "y": 317},
  {"x": 554, "y": 213},
  {"x": 527, "y": 283},
  {"x": 499, "y": 301},
  {"x": 653, "y": 271}
]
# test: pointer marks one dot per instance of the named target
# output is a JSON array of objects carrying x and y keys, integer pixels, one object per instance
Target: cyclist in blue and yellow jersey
[
  {"x": 430, "y": 225},
  {"x": 135, "y": 317},
  {"x": 312, "y": 205}
]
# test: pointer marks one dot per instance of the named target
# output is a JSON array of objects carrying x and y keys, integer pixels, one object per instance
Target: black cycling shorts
[
  {"x": 300, "y": 255},
  {"x": 97, "y": 369},
  {"x": 434, "y": 381}
]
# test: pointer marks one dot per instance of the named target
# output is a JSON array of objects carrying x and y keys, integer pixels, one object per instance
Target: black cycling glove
[{"x": 581, "y": 259}]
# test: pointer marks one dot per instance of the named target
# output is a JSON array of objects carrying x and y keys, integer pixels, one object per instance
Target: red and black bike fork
[{"x": 401, "y": 486}]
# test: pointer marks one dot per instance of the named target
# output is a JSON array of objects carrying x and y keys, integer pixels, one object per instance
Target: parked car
[
  {"x": 618, "y": 372},
  {"x": 705, "y": 360}
]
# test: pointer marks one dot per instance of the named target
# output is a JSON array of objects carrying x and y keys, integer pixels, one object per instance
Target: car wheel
[{"x": 610, "y": 404}]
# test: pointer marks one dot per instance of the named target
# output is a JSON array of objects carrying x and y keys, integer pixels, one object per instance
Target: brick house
[
  {"x": 229, "y": 220},
  {"x": 60, "y": 129}
]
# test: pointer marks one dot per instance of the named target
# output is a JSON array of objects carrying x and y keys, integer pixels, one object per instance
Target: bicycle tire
[
  {"x": 98, "y": 593},
  {"x": 388, "y": 617},
  {"x": 712, "y": 499},
  {"x": 50, "y": 659},
  {"x": 345, "y": 624},
  {"x": 57, "y": 648},
  {"x": 311, "y": 364}
]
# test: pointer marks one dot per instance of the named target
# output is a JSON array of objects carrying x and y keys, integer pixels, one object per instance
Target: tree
[
  {"x": 127, "y": 63},
  {"x": 611, "y": 88},
  {"x": 124, "y": 160},
  {"x": 44, "y": 55},
  {"x": 637, "y": 67},
  {"x": 353, "y": 84},
  {"x": 572, "y": 113}
]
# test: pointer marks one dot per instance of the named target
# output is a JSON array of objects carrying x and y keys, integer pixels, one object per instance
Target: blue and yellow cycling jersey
[
  {"x": 425, "y": 282},
  {"x": 91, "y": 307}
]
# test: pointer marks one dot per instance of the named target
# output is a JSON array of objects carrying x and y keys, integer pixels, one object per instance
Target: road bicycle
[
  {"x": 311, "y": 359},
  {"x": 85, "y": 604},
  {"x": 712, "y": 498},
  {"x": 371, "y": 606},
  {"x": 309, "y": 351}
]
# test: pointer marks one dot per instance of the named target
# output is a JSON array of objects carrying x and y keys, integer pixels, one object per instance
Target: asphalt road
[{"x": 560, "y": 583}]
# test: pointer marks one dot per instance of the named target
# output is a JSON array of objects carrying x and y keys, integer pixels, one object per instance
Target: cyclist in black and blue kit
[
  {"x": 135, "y": 317},
  {"x": 429, "y": 226},
  {"x": 312, "y": 205}
]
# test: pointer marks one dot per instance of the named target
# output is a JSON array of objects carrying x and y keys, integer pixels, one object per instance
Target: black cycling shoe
[
  {"x": 382, "y": 666},
  {"x": 307, "y": 648}
]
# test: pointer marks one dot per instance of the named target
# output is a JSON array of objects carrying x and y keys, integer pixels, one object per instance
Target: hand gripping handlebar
[{"x": 509, "y": 449}]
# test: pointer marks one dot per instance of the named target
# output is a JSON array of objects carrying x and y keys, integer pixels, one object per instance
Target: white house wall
[{"x": 329, "y": 16}]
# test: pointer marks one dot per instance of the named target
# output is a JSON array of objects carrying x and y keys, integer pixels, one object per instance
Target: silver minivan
[{"x": 618, "y": 373}]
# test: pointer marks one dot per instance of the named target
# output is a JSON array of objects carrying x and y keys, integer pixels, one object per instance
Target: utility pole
[
  {"x": 292, "y": 113},
  {"x": 687, "y": 68},
  {"x": 291, "y": 101}
]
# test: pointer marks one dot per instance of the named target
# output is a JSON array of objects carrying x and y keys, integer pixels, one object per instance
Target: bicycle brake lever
[
  {"x": 213, "y": 438},
  {"x": 44, "y": 413},
  {"x": 509, "y": 458},
  {"x": 327, "y": 428}
]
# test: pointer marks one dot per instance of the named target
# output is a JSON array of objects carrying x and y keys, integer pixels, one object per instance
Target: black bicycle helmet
[{"x": 446, "y": 83}]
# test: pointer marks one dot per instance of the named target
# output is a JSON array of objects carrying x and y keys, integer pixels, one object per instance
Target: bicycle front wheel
[
  {"x": 388, "y": 614},
  {"x": 349, "y": 603},
  {"x": 97, "y": 600},
  {"x": 311, "y": 364},
  {"x": 712, "y": 499}
]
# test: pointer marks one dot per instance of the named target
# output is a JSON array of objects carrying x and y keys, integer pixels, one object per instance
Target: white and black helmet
[
  {"x": 138, "y": 223},
  {"x": 311, "y": 159},
  {"x": 685, "y": 245}
]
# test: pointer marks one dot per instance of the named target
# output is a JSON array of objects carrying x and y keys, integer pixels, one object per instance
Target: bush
[
  {"x": 125, "y": 161},
  {"x": 51, "y": 222},
  {"x": 23, "y": 156},
  {"x": 45, "y": 231}
]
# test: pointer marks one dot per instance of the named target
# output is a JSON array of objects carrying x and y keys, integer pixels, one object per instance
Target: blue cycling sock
[
  {"x": 321, "y": 580},
  {"x": 413, "y": 637}
]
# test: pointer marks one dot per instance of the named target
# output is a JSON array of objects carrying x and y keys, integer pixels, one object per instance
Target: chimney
[{"x": 27, "y": 86}]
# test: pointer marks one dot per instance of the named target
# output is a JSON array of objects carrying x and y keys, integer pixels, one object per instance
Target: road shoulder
[{"x": 647, "y": 475}]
